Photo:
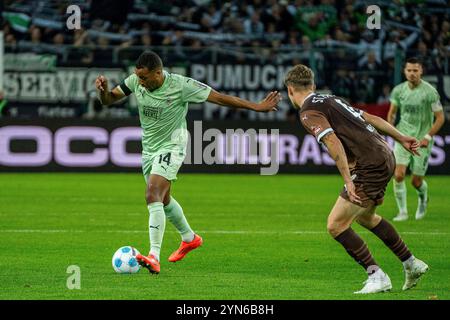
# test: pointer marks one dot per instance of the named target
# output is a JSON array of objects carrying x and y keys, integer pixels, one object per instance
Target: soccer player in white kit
[{"x": 163, "y": 100}]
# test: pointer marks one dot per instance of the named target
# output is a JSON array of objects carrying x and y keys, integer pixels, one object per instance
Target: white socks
[
  {"x": 422, "y": 191},
  {"x": 175, "y": 214},
  {"x": 400, "y": 196},
  {"x": 157, "y": 225}
]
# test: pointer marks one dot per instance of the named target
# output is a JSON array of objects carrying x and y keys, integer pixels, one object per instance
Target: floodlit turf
[{"x": 264, "y": 238}]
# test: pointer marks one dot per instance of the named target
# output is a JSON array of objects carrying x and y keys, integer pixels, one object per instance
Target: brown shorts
[{"x": 370, "y": 184}]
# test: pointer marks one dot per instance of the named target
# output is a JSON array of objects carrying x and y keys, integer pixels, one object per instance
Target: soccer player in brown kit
[{"x": 366, "y": 164}]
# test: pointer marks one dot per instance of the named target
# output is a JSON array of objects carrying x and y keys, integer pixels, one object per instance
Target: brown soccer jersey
[{"x": 371, "y": 161}]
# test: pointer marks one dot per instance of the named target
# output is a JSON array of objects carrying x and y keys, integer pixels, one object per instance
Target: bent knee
[
  {"x": 154, "y": 193},
  {"x": 334, "y": 229},
  {"x": 400, "y": 173},
  {"x": 399, "y": 176},
  {"x": 416, "y": 181},
  {"x": 369, "y": 221}
]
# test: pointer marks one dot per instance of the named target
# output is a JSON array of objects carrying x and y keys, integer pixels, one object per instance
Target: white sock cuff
[
  {"x": 155, "y": 205},
  {"x": 408, "y": 263},
  {"x": 423, "y": 187},
  {"x": 399, "y": 185},
  {"x": 171, "y": 203}
]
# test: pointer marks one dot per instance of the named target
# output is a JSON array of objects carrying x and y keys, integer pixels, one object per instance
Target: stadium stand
[{"x": 350, "y": 60}]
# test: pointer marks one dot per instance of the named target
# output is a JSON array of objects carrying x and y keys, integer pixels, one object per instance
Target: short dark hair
[
  {"x": 149, "y": 60},
  {"x": 300, "y": 77},
  {"x": 413, "y": 60}
]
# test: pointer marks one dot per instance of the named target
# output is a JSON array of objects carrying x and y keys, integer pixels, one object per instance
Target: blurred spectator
[
  {"x": 366, "y": 88},
  {"x": 35, "y": 35},
  {"x": 372, "y": 74},
  {"x": 10, "y": 40},
  {"x": 232, "y": 24},
  {"x": 253, "y": 25},
  {"x": 316, "y": 21},
  {"x": 212, "y": 17},
  {"x": 146, "y": 40},
  {"x": 370, "y": 62},
  {"x": 186, "y": 13},
  {"x": 58, "y": 39},
  {"x": 385, "y": 94},
  {"x": 388, "y": 72},
  {"x": 196, "y": 52},
  {"x": 343, "y": 85},
  {"x": 369, "y": 43},
  {"x": 397, "y": 40},
  {"x": 103, "y": 52},
  {"x": 329, "y": 35},
  {"x": 80, "y": 37},
  {"x": 292, "y": 41},
  {"x": 174, "y": 38},
  {"x": 278, "y": 15},
  {"x": 87, "y": 58},
  {"x": 424, "y": 55}
]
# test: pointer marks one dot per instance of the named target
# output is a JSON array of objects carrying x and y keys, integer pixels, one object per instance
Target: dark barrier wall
[{"x": 214, "y": 146}]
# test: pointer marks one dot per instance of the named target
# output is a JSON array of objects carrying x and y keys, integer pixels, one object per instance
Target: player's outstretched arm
[
  {"x": 105, "y": 96},
  {"x": 269, "y": 103},
  {"x": 391, "y": 114},
  {"x": 409, "y": 143},
  {"x": 337, "y": 152}
]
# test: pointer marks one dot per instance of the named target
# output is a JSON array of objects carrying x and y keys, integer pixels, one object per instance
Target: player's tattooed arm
[
  {"x": 269, "y": 103},
  {"x": 105, "y": 96},
  {"x": 409, "y": 143},
  {"x": 337, "y": 152}
]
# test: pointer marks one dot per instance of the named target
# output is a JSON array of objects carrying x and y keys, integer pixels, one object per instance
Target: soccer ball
[{"x": 124, "y": 260}]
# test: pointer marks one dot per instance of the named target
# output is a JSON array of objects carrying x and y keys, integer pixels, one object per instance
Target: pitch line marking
[{"x": 300, "y": 232}]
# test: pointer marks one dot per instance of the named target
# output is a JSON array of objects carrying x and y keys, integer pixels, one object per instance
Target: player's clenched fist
[{"x": 101, "y": 83}]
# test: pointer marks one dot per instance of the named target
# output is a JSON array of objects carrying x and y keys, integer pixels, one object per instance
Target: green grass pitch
[{"x": 264, "y": 238}]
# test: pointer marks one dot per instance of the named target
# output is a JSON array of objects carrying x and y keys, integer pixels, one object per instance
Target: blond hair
[{"x": 300, "y": 77}]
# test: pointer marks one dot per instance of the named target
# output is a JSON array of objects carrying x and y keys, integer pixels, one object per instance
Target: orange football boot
[
  {"x": 150, "y": 262},
  {"x": 185, "y": 248}
]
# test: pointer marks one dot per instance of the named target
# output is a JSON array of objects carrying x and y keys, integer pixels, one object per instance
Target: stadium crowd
[{"x": 350, "y": 59}]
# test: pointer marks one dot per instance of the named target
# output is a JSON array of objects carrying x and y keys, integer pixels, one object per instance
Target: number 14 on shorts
[{"x": 164, "y": 158}]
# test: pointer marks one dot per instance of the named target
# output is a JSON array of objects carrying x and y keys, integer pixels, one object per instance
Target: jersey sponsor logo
[
  {"x": 152, "y": 112},
  {"x": 411, "y": 108}
]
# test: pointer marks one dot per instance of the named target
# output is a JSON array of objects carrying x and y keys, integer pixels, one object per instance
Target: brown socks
[
  {"x": 358, "y": 250},
  {"x": 386, "y": 232}
]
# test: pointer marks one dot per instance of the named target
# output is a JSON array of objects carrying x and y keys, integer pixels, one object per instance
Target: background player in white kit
[{"x": 163, "y": 100}]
